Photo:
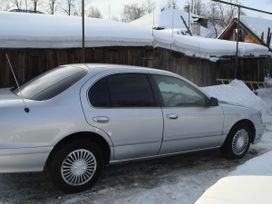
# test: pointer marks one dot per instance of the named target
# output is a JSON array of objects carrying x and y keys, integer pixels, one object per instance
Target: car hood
[{"x": 235, "y": 104}]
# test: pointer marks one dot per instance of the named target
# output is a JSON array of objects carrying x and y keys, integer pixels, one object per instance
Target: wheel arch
[
  {"x": 250, "y": 125},
  {"x": 89, "y": 136}
]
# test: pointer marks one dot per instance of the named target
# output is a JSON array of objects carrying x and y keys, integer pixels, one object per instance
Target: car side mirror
[{"x": 213, "y": 102}]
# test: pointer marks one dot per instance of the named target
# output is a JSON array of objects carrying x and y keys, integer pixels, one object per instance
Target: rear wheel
[
  {"x": 237, "y": 142},
  {"x": 76, "y": 166}
]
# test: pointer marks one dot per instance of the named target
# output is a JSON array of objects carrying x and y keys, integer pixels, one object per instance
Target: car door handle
[
  {"x": 101, "y": 119},
  {"x": 172, "y": 116}
]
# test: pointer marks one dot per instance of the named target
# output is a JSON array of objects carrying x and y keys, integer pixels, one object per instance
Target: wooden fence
[{"x": 29, "y": 63}]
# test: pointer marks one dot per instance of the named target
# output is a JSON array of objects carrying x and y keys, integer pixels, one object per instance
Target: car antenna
[{"x": 26, "y": 109}]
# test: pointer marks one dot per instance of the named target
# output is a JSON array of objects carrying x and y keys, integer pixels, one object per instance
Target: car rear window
[{"x": 51, "y": 83}]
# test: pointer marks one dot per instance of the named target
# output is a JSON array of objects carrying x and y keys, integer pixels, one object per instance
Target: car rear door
[
  {"x": 189, "y": 124},
  {"x": 123, "y": 106}
]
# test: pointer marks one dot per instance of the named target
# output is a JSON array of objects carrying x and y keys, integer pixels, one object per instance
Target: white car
[{"x": 78, "y": 118}]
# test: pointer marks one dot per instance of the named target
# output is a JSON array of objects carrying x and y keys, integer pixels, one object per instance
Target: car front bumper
[
  {"x": 17, "y": 160},
  {"x": 259, "y": 133}
]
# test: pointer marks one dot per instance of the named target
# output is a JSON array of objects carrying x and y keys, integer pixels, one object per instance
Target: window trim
[
  {"x": 155, "y": 105},
  {"x": 160, "y": 98}
]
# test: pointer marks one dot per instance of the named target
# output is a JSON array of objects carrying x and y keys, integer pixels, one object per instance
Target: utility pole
[
  {"x": 237, "y": 44},
  {"x": 109, "y": 9},
  {"x": 83, "y": 30}
]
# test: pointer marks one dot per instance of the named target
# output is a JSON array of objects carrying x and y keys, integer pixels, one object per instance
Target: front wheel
[
  {"x": 76, "y": 166},
  {"x": 237, "y": 142}
]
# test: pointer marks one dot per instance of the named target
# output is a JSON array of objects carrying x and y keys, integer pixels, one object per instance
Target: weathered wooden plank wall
[{"x": 29, "y": 63}]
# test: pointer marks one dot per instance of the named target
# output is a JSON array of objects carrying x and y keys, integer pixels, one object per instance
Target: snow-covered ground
[{"x": 177, "y": 179}]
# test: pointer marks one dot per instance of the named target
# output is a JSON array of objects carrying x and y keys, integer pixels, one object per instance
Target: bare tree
[
  {"x": 52, "y": 6},
  {"x": 69, "y": 6},
  {"x": 149, "y": 6},
  {"x": 171, "y": 4},
  {"x": 93, "y": 12},
  {"x": 17, "y": 4},
  {"x": 132, "y": 12},
  {"x": 194, "y": 6},
  {"x": 35, "y": 4},
  {"x": 220, "y": 15},
  {"x": 213, "y": 17}
]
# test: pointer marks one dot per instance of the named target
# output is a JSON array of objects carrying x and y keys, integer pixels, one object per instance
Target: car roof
[{"x": 96, "y": 67}]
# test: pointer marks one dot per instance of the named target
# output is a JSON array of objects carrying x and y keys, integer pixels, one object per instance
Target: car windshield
[{"x": 51, "y": 83}]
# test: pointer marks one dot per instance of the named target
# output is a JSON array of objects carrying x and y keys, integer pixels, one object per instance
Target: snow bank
[
  {"x": 266, "y": 95},
  {"x": 19, "y": 30},
  {"x": 237, "y": 92},
  {"x": 259, "y": 166},
  {"x": 239, "y": 190},
  {"x": 268, "y": 81}
]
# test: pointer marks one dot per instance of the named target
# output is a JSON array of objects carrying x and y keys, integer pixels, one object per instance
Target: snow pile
[
  {"x": 19, "y": 30},
  {"x": 239, "y": 190},
  {"x": 268, "y": 81},
  {"x": 266, "y": 95},
  {"x": 237, "y": 92},
  {"x": 258, "y": 166}
]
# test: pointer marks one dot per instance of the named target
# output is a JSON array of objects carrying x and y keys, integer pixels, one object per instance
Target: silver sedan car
[{"x": 76, "y": 119}]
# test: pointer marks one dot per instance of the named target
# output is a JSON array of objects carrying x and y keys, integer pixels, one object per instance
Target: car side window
[
  {"x": 99, "y": 94},
  {"x": 178, "y": 93},
  {"x": 122, "y": 90},
  {"x": 130, "y": 90}
]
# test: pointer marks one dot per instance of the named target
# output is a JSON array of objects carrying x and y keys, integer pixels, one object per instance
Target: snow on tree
[
  {"x": 18, "y": 4},
  {"x": 4, "y": 5},
  {"x": 220, "y": 15},
  {"x": 35, "y": 4},
  {"x": 194, "y": 6},
  {"x": 171, "y": 4},
  {"x": 69, "y": 7},
  {"x": 132, "y": 12},
  {"x": 93, "y": 12},
  {"x": 149, "y": 6},
  {"x": 52, "y": 6}
]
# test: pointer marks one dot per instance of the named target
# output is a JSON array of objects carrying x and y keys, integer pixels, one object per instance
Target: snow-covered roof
[
  {"x": 19, "y": 30},
  {"x": 164, "y": 18},
  {"x": 257, "y": 25}
]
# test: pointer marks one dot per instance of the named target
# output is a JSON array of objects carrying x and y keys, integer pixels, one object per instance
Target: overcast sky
[{"x": 117, "y": 5}]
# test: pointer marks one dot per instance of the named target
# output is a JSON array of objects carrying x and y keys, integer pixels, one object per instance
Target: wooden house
[{"x": 252, "y": 30}]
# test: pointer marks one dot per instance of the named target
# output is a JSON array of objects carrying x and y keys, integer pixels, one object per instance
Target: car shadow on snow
[{"x": 33, "y": 187}]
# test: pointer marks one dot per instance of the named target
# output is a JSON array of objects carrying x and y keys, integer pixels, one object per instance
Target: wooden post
[{"x": 83, "y": 30}]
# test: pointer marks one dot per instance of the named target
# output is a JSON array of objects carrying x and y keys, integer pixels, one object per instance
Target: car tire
[
  {"x": 238, "y": 142},
  {"x": 76, "y": 166}
]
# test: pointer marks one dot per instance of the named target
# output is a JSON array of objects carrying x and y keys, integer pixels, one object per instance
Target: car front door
[
  {"x": 123, "y": 106},
  {"x": 189, "y": 124}
]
